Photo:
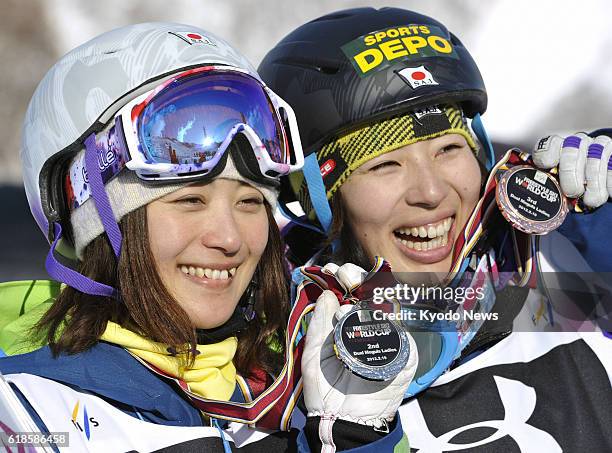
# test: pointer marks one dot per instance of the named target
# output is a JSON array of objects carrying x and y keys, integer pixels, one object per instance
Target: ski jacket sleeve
[{"x": 589, "y": 232}]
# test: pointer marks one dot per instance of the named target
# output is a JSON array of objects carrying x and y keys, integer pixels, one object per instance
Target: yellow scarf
[{"x": 212, "y": 375}]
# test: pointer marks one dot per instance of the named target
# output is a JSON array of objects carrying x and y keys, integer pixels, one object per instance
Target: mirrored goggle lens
[{"x": 187, "y": 121}]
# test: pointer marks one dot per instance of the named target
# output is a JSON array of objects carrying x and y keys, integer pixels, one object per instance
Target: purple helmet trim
[
  {"x": 100, "y": 196},
  {"x": 72, "y": 278}
]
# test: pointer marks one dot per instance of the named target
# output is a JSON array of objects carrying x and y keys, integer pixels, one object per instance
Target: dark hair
[
  {"x": 75, "y": 321},
  {"x": 348, "y": 248}
]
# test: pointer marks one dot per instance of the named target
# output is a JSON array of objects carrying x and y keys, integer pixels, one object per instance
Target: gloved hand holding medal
[
  {"x": 370, "y": 339},
  {"x": 533, "y": 196}
]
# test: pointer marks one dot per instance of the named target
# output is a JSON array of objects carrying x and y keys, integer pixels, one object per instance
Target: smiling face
[
  {"x": 207, "y": 241},
  {"x": 408, "y": 205}
]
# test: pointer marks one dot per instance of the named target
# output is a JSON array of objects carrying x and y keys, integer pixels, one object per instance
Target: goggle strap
[
  {"x": 317, "y": 192},
  {"x": 483, "y": 137},
  {"x": 100, "y": 196},
  {"x": 72, "y": 278}
]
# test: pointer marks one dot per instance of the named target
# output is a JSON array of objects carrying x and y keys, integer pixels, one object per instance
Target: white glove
[
  {"x": 583, "y": 165},
  {"x": 349, "y": 275},
  {"x": 331, "y": 391}
]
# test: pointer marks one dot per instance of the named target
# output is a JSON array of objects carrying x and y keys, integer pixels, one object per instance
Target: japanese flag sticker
[
  {"x": 194, "y": 38},
  {"x": 417, "y": 77}
]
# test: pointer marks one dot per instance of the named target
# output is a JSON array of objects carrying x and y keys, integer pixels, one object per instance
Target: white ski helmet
[{"x": 85, "y": 88}]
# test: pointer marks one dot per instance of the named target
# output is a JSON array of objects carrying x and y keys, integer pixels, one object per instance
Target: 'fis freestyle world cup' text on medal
[
  {"x": 372, "y": 349},
  {"x": 531, "y": 199}
]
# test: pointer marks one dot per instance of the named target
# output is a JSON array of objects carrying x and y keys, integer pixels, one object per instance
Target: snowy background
[{"x": 547, "y": 66}]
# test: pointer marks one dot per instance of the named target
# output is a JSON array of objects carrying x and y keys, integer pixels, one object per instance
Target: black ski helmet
[{"x": 342, "y": 70}]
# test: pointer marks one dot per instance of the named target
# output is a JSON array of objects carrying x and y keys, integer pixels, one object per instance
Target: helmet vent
[
  {"x": 324, "y": 66},
  {"x": 328, "y": 69},
  {"x": 112, "y": 49}
]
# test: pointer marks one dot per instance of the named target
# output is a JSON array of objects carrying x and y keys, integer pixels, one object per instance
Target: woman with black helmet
[
  {"x": 152, "y": 155},
  {"x": 388, "y": 102}
]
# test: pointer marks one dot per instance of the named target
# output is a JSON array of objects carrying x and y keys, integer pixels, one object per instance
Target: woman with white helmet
[
  {"x": 388, "y": 103},
  {"x": 152, "y": 156}
]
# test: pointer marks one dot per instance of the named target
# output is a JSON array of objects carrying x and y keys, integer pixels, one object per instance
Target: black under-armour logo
[{"x": 519, "y": 401}]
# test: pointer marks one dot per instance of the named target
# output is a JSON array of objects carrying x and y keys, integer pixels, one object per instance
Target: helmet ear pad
[{"x": 53, "y": 193}]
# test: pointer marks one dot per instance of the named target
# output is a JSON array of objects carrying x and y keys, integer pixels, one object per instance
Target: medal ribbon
[{"x": 474, "y": 229}]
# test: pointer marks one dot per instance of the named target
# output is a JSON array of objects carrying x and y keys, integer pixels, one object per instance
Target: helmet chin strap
[
  {"x": 100, "y": 197},
  {"x": 62, "y": 273},
  {"x": 72, "y": 278},
  {"x": 229, "y": 328},
  {"x": 318, "y": 195},
  {"x": 317, "y": 191},
  {"x": 483, "y": 138}
]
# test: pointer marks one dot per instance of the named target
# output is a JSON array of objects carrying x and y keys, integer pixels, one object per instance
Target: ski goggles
[{"x": 181, "y": 129}]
